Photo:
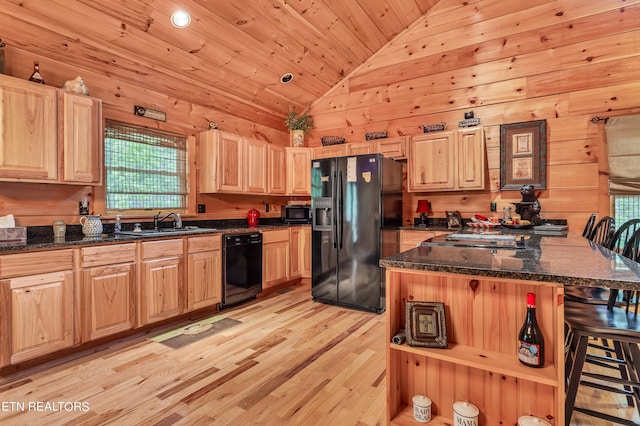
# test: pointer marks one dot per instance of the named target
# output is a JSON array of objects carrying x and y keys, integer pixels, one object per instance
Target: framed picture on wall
[{"x": 523, "y": 155}]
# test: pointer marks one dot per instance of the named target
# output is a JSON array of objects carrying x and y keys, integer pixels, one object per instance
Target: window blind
[
  {"x": 145, "y": 168},
  {"x": 623, "y": 142}
]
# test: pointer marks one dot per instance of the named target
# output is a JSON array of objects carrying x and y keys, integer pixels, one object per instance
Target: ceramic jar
[
  {"x": 465, "y": 414},
  {"x": 91, "y": 225},
  {"x": 421, "y": 408},
  {"x": 532, "y": 421}
]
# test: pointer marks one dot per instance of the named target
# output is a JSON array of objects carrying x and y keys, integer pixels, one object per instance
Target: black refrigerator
[{"x": 356, "y": 204}]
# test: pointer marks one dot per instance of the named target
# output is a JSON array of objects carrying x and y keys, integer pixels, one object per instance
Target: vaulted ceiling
[{"x": 230, "y": 58}]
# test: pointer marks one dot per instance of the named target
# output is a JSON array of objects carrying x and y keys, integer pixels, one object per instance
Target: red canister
[{"x": 253, "y": 216}]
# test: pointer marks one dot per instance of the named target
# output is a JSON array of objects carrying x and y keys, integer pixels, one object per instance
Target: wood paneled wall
[{"x": 565, "y": 61}]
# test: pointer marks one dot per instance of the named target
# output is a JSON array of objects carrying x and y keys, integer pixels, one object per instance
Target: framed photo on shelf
[
  {"x": 425, "y": 324},
  {"x": 523, "y": 155}
]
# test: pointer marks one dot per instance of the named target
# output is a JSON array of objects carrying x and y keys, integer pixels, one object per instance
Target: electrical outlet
[
  {"x": 202, "y": 208},
  {"x": 266, "y": 208},
  {"x": 493, "y": 207}
]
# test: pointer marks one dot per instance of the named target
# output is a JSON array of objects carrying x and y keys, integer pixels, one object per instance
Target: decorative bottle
[
  {"x": 530, "y": 339},
  {"x": 36, "y": 77},
  {"x": 117, "y": 227}
]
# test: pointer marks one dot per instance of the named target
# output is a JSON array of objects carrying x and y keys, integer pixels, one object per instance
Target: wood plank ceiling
[{"x": 230, "y": 58}]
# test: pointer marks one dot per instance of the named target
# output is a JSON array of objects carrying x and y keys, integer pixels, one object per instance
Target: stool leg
[
  {"x": 635, "y": 364},
  {"x": 574, "y": 375}
]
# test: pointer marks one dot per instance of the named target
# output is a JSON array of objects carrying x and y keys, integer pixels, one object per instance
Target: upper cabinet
[
  {"x": 277, "y": 164},
  {"x": 447, "y": 161},
  {"x": 28, "y": 131},
  {"x": 255, "y": 172},
  {"x": 221, "y": 162},
  {"x": 299, "y": 171},
  {"x": 82, "y": 138},
  {"x": 330, "y": 151},
  {"x": 33, "y": 119}
]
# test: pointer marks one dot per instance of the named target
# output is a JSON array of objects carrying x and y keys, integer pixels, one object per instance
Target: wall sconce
[{"x": 424, "y": 208}]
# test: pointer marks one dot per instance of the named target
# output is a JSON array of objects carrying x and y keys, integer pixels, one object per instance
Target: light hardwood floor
[{"x": 290, "y": 362}]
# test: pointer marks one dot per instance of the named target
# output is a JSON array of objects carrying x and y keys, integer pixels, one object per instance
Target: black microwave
[{"x": 296, "y": 214}]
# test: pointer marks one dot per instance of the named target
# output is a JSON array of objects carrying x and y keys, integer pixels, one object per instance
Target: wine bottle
[
  {"x": 530, "y": 339},
  {"x": 36, "y": 76}
]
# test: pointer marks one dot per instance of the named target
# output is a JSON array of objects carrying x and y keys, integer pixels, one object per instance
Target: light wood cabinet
[
  {"x": 447, "y": 161},
  {"x": 36, "y": 301},
  {"x": 395, "y": 147},
  {"x": 28, "y": 131},
  {"x": 330, "y": 151},
  {"x": 81, "y": 117},
  {"x": 275, "y": 257},
  {"x": 231, "y": 163},
  {"x": 107, "y": 290},
  {"x": 204, "y": 272},
  {"x": 277, "y": 170},
  {"x": 162, "y": 290},
  {"x": 483, "y": 317},
  {"x": 361, "y": 148},
  {"x": 254, "y": 166},
  {"x": 305, "y": 252},
  {"x": 299, "y": 171}
]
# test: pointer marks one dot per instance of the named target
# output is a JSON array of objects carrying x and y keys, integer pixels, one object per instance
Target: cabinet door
[
  {"x": 161, "y": 289},
  {"x": 410, "y": 239},
  {"x": 471, "y": 154},
  {"x": 275, "y": 263},
  {"x": 296, "y": 254},
  {"x": 108, "y": 300},
  {"x": 392, "y": 147},
  {"x": 432, "y": 162},
  {"x": 28, "y": 131},
  {"x": 37, "y": 315},
  {"x": 277, "y": 167},
  {"x": 221, "y": 162},
  {"x": 255, "y": 166},
  {"x": 361, "y": 148},
  {"x": 299, "y": 171},
  {"x": 82, "y": 138},
  {"x": 330, "y": 151},
  {"x": 204, "y": 279},
  {"x": 305, "y": 252}
]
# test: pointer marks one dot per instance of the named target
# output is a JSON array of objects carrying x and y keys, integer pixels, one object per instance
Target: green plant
[{"x": 302, "y": 122}]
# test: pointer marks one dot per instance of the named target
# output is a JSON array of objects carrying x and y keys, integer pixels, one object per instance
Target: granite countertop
[
  {"x": 41, "y": 238},
  {"x": 569, "y": 259}
]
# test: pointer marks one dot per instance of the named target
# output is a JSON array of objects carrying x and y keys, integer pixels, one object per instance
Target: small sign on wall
[{"x": 141, "y": 111}]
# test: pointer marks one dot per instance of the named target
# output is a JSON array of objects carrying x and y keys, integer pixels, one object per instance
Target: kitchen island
[{"x": 484, "y": 294}]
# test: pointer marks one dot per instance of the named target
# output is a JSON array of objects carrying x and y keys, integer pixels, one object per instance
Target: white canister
[
  {"x": 532, "y": 421},
  {"x": 91, "y": 225},
  {"x": 421, "y": 408},
  {"x": 465, "y": 414}
]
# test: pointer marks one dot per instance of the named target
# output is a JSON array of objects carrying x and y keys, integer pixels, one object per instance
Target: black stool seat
[{"x": 585, "y": 321}]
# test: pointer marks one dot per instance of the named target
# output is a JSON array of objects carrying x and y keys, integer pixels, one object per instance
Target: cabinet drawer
[
  {"x": 206, "y": 243},
  {"x": 15, "y": 265},
  {"x": 275, "y": 236},
  {"x": 165, "y": 248},
  {"x": 108, "y": 255}
]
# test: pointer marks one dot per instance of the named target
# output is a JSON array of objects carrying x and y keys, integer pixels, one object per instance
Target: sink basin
[{"x": 166, "y": 231}]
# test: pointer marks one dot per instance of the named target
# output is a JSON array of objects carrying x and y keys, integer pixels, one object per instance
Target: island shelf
[{"x": 483, "y": 316}]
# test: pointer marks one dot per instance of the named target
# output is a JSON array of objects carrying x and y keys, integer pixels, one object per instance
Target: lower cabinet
[
  {"x": 275, "y": 257},
  {"x": 204, "y": 272},
  {"x": 36, "y": 301},
  {"x": 107, "y": 290},
  {"x": 162, "y": 289},
  {"x": 410, "y": 239},
  {"x": 300, "y": 246}
]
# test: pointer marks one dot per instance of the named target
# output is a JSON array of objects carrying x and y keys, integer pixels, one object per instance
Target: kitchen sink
[{"x": 166, "y": 231}]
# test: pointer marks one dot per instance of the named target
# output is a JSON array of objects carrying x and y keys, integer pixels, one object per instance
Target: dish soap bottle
[
  {"x": 36, "y": 77},
  {"x": 117, "y": 227}
]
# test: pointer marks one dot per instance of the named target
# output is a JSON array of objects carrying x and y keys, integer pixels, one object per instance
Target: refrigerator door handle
[
  {"x": 334, "y": 231},
  {"x": 341, "y": 209}
]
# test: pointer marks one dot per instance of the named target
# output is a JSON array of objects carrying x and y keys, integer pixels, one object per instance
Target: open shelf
[
  {"x": 404, "y": 417},
  {"x": 496, "y": 362}
]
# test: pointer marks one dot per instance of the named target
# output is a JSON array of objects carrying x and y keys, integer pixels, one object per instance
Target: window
[
  {"x": 623, "y": 144},
  {"x": 626, "y": 207},
  {"x": 145, "y": 168}
]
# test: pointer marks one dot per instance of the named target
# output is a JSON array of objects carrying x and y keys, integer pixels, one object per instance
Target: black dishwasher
[{"x": 242, "y": 268}]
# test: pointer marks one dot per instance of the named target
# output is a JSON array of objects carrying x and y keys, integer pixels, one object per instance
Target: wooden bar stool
[{"x": 586, "y": 321}]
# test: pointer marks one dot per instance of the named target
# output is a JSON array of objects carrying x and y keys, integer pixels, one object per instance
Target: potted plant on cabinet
[{"x": 299, "y": 126}]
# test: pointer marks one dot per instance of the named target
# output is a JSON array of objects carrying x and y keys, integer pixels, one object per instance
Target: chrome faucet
[{"x": 157, "y": 219}]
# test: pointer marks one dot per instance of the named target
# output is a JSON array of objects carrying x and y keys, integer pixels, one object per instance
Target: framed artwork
[
  {"x": 425, "y": 324},
  {"x": 523, "y": 155}
]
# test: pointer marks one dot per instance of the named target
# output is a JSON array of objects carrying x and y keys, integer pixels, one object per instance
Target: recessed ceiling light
[
  {"x": 180, "y": 19},
  {"x": 286, "y": 78}
]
